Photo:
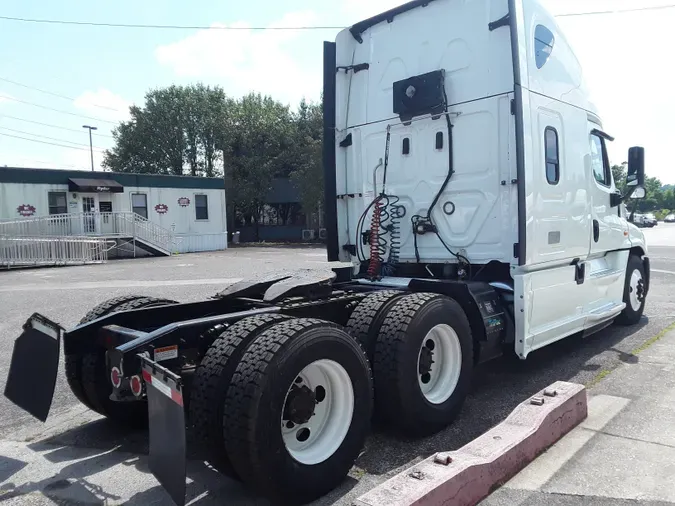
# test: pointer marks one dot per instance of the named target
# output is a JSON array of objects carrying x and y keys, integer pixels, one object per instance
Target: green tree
[
  {"x": 619, "y": 172},
  {"x": 669, "y": 199},
  {"x": 255, "y": 150},
  {"x": 307, "y": 172},
  {"x": 175, "y": 132}
]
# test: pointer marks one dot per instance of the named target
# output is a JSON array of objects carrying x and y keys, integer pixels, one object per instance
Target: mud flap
[
  {"x": 34, "y": 366},
  {"x": 167, "y": 428}
]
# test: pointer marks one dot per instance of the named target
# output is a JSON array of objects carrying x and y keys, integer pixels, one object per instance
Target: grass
[
  {"x": 653, "y": 340},
  {"x": 357, "y": 473},
  {"x": 646, "y": 345}
]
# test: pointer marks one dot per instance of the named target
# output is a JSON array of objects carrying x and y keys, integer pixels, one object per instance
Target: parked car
[
  {"x": 642, "y": 221},
  {"x": 670, "y": 218},
  {"x": 650, "y": 220}
]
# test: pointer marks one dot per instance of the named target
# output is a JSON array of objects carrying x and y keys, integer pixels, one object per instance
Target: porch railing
[
  {"x": 36, "y": 251},
  {"x": 115, "y": 224}
]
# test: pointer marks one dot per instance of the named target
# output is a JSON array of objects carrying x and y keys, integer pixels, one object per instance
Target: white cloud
[
  {"x": 281, "y": 63},
  {"x": 104, "y": 104}
]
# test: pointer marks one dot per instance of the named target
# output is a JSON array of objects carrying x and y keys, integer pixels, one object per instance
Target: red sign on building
[
  {"x": 162, "y": 208},
  {"x": 25, "y": 210}
]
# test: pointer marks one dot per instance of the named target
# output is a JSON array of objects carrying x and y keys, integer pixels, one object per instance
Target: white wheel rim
[
  {"x": 319, "y": 438},
  {"x": 635, "y": 290},
  {"x": 438, "y": 384}
]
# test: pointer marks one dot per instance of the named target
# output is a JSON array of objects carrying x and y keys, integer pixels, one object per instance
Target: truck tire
[
  {"x": 366, "y": 320},
  {"x": 634, "y": 292},
  {"x": 298, "y": 410},
  {"x": 94, "y": 379},
  {"x": 212, "y": 379},
  {"x": 423, "y": 363},
  {"x": 73, "y": 363}
]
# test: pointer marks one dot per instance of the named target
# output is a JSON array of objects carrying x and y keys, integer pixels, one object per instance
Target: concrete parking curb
[{"x": 468, "y": 475}]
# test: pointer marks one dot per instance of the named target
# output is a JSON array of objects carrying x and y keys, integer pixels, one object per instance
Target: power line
[
  {"x": 48, "y": 163},
  {"x": 264, "y": 28},
  {"x": 169, "y": 27},
  {"x": 50, "y": 138},
  {"x": 58, "y": 95},
  {"x": 50, "y": 125},
  {"x": 43, "y": 142},
  {"x": 57, "y": 110},
  {"x": 618, "y": 11}
]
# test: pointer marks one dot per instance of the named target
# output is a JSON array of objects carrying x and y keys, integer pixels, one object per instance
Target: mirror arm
[{"x": 616, "y": 199}]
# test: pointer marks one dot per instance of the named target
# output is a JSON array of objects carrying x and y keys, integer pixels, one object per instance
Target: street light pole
[{"x": 91, "y": 145}]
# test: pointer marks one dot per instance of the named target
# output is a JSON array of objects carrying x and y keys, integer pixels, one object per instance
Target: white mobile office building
[{"x": 180, "y": 214}]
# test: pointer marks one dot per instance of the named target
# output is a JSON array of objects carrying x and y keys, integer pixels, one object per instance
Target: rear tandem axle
[{"x": 275, "y": 377}]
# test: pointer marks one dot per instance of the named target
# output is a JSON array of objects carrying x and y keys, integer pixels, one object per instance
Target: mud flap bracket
[
  {"x": 166, "y": 416},
  {"x": 34, "y": 366}
]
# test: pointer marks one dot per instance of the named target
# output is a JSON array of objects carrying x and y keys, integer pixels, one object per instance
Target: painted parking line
[
  {"x": 663, "y": 272},
  {"x": 130, "y": 283}
]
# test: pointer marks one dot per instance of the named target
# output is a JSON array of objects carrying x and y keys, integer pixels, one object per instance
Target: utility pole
[{"x": 91, "y": 145}]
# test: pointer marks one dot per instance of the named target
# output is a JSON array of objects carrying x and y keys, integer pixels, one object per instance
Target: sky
[{"x": 100, "y": 71}]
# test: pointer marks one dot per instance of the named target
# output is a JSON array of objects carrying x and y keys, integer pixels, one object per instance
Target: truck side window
[
  {"x": 552, "y": 151},
  {"x": 599, "y": 162},
  {"x": 543, "y": 45}
]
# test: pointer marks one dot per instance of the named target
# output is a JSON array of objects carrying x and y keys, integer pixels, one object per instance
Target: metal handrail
[
  {"x": 96, "y": 224},
  {"x": 34, "y": 251}
]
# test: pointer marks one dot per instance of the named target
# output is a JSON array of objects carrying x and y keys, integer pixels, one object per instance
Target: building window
[
  {"x": 543, "y": 45},
  {"x": 600, "y": 162},
  {"x": 202, "y": 207},
  {"x": 139, "y": 204},
  {"x": 57, "y": 203},
  {"x": 552, "y": 150}
]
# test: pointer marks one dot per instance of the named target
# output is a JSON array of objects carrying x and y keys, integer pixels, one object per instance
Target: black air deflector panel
[
  {"x": 420, "y": 95},
  {"x": 358, "y": 29}
]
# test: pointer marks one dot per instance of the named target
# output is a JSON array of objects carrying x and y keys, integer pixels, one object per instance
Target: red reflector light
[
  {"x": 116, "y": 377},
  {"x": 136, "y": 386}
]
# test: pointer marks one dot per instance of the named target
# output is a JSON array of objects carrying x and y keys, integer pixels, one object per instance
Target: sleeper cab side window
[
  {"x": 599, "y": 162},
  {"x": 543, "y": 45},
  {"x": 552, "y": 153}
]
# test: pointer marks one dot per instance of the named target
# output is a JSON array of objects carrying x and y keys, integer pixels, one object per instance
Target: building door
[
  {"x": 107, "y": 217},
  {"x": 89, "y": 210}
]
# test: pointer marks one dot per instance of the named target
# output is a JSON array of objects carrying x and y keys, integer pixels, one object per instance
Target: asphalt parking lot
[{"x": 78, "y": 458}]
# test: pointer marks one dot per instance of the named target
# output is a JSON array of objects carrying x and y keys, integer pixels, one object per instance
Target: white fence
[
  {"x": 36, "y": 251},
  {"x": 118, "y": 224}
]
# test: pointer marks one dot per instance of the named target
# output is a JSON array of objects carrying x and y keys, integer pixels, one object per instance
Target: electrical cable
[
  {"x": 165, "y": 27},
  {"x": 618, "y": 11},
  {"x": 57, "y": 110},
  {"x": 451, "y": 165},
  {"x": 50, "y": 138},
  {"x": 417, "y": 219},
  {"x": 271, "y": 28},
  {"x": 58, "y": 95},
  {"x": 52, "y": 126},
  {"x": 43, "y": 142}
]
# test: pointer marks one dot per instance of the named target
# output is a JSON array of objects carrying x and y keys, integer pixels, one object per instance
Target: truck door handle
[{"x": 596, "y": 230}]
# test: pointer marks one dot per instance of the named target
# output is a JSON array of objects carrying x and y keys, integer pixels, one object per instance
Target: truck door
[{"x": 607, "y": 227}]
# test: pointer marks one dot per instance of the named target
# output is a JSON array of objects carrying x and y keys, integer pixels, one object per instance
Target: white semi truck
[{"x": 471, "y": 212}]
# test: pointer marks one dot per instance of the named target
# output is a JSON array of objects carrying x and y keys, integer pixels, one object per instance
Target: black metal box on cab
[{"x": 419, "y": 95}]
